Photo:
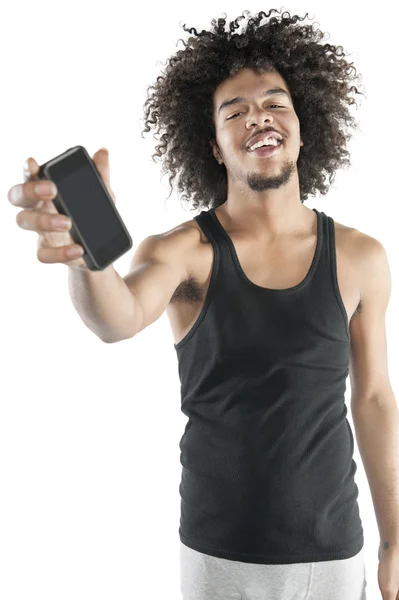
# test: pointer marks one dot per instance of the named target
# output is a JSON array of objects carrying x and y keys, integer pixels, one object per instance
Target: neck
[{"x": 271, "y": 220}]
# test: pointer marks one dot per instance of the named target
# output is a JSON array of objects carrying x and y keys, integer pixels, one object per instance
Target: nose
[{"x": 258, "y": 120}]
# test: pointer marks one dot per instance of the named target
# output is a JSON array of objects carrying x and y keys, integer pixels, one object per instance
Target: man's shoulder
[
  {"x": 186, "y": 235},
  {"x": 364, "y": 256},
  {"x": 357, "y": 243},
  {"x": 181, "y": 234}
]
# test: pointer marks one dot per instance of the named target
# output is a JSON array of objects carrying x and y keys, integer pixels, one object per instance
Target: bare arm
[
  {"x": 117, "y": 308},
  {"x": 102, "y": 300},
  {"x": 112, "y": 307}
]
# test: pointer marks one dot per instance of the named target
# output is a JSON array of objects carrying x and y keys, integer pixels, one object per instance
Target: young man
[{"x": 271, "y": 305}]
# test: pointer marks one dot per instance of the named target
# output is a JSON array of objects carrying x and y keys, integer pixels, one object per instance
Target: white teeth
[{"x": 266, "y": 142}]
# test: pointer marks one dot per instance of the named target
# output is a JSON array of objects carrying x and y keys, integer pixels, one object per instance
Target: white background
[{"x": 89, "y": 432}]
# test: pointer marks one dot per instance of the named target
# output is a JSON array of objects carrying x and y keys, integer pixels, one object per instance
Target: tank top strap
[
  {"x": 211, "y": 227},
  {"x": 322, "y": 253},
  {"x": 326, "y": 263},
  {"x": 224, "y": 266}
]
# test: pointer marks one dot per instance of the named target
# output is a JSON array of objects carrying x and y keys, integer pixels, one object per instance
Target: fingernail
[
  {"x": 75, "y": 251},
  {"x": 26, "y": 166},
  {"x": 15, "y": 194}
]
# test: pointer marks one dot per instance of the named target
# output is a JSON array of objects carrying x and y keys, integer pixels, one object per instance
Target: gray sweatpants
[{"x": 204, "y": 577}]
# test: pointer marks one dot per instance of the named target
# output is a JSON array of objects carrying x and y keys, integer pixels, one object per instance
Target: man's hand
[{"x": 388, "y": 573}]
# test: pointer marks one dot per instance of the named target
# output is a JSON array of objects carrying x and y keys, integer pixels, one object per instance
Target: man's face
[{"x": 237, "y": 123}]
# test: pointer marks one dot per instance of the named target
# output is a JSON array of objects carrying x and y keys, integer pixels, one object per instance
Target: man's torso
[{"x": 271, "y": 266}]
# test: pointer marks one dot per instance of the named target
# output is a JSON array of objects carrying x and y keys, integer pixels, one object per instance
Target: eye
[
  {"x": 239, "y": 113},
  {"x": 232, "y": 116}
]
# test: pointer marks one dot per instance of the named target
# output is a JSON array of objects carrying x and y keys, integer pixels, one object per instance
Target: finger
[
  {"x": 30, "y": 169},
  {"x": 42, "y": 221},
  {"x": 26, "y": 195},
  {"x": 49, "y": 255},
  {"x": 101, "y": 160}
]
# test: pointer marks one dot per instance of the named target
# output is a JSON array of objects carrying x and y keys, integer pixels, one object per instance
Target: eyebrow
[{"x": 264, "y": 94}]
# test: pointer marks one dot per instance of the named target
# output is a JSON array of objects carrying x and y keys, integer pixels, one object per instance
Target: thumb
[{"x": 101, "y": 160}]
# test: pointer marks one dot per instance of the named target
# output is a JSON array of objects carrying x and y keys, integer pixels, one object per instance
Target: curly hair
[{"x": 181, "y": 105}]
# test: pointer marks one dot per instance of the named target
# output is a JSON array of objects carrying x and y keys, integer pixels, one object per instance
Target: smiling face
[{"x": 245, "y": 105}]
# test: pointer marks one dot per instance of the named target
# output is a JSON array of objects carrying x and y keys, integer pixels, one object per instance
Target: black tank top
[{"x": 267, "y": 452}]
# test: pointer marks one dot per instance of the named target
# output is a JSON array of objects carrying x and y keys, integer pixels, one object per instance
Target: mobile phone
[{"x": 83, "y": 197}]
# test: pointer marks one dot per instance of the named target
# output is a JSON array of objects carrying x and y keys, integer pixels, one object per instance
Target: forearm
[
  {"x": 104, "y": 302},
  {"x": 377, "y": 434}
]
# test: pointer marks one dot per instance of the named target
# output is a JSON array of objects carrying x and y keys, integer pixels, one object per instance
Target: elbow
[
  {"x": 109, "y": 340},
  {"x": 115, "y": 340}
]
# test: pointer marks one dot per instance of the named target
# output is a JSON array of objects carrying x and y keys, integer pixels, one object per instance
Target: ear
[{"x": 216, "y": 152}]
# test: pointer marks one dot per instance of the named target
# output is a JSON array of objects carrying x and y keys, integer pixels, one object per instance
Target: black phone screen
[{"x": 89, "y": 208}]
